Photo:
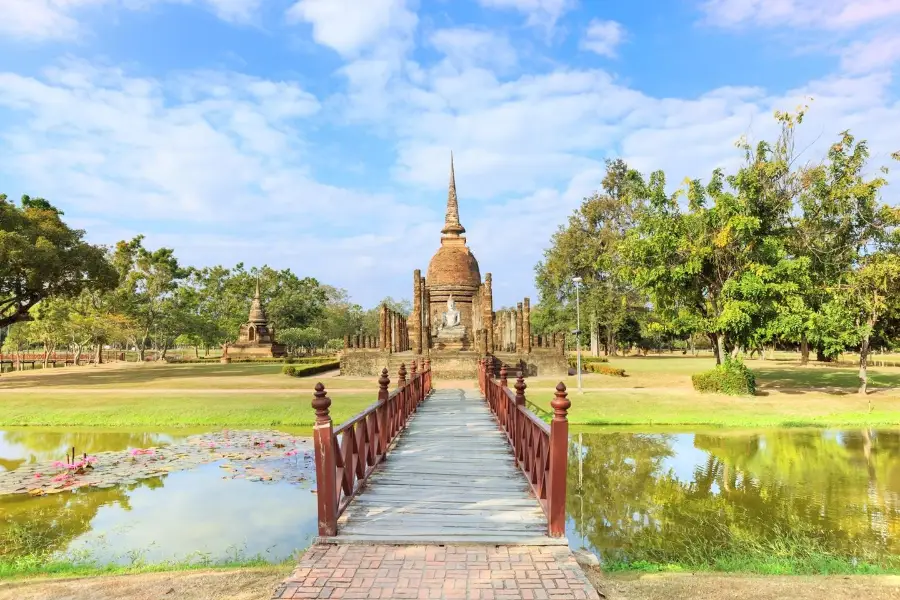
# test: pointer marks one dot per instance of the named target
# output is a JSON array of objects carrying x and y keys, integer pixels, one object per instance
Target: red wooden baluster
[
  {"x": 415, "y": 385},
  {"x": 383, "y": 412},
  {"x": 326, "y": 470},
  {"x": 519, "y": 423},
  {"x": 559, "y": 452},
  {"x": 404, "y": 401}
]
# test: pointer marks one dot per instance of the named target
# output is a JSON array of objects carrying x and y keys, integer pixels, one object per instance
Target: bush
[
  {"x": 731, "y": 377},
  {"x": 604, "y": 369},
  {"x": 586, "y": 360},
  {"x": 307, "y": 370},
  {"x": 290, "y": 360}
]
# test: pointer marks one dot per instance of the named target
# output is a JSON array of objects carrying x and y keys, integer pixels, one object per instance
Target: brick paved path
[{"x": 451, "y": 572}]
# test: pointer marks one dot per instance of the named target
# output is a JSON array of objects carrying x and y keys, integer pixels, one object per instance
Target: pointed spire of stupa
[
  {"x": 257, "y": 312},
  {"x": 452, "y": 225}
]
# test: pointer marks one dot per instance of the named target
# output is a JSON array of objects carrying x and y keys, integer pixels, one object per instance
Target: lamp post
[{"x": 577, "y": 281}]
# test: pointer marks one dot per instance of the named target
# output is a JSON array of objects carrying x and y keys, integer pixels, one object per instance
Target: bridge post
[
  {"x": 383, "y": 416},
  {"x": 428, "y": 383},
  {"x": 519, "y": 423},
  {"x": 416, "y": 382},
  {"x": 559, "y": 453},
  {"x": 503, "y": 381},
  {"x": 326, "y": 469}
]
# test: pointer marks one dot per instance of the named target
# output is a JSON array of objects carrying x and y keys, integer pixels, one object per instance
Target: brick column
[
  {"x": 382, "y": 330},
  {"x": 428, "y": 317},
  {"x": 415, "y": 322},
  {"x": 488, "y": 308},
  {"x": 421, "y": 316},
  {"x": 526, "y": 324},
  {"x": 520, "y": 343}
]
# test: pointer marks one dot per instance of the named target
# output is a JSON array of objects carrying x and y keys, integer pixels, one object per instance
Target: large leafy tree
[
  {"x": 720, "y": 262},
  {"x": 147, "y": 294},
  {"x": 41, "y": 256},
  {"x": 588, "y": 247}
]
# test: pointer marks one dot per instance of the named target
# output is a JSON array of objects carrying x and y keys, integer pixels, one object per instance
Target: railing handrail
[
  {"x": 369, "y": 409},
  {"x": 342, "y": 467},
  {"x": 540, "y": 450}
]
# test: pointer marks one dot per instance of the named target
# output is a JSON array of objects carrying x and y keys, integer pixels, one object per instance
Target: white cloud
[
  {"x": 468, "y": 46},
  {"x": 350, "y": 26},
  {"x": 603, "y": 37},
  {"x": 540, "y": 12},
  {"x": 42, "y": 20},
  {"x": 830, "y": 14},
  {"x": 875, "y": 54}
]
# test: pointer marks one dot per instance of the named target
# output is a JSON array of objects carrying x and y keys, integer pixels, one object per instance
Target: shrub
[
  {"x": 290, "y": 360},
  {"x": 731, "y": 377},
  {"x": 307, "y": 370},
  {"x": 604, "y": 369},
  {"x": 586, "y": 360}
]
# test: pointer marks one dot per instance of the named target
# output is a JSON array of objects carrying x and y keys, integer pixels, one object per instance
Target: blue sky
[{"x": 315, "y": 134}]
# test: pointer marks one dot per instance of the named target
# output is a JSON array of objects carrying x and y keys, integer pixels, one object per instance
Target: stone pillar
[
  {"x": 520, "y": 343},
  {"x": 427, "y": 317},
  {"x": 382, "y": 329},
  {"x": 488, "y": 308},
  {"x": 415, "y": 323},
  {"x": 526, "y": 324},
  {"x": 420, "y": 316},
  {"x": 389, "y": 331}
]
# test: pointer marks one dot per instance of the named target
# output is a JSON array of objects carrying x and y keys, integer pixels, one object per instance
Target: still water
[{"x": 661, "y": 497}]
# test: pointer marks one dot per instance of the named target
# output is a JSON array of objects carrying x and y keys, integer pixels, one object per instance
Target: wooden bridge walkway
[
  {"x": 451, "y": 478},
  {"x": 449, "y": 494}
]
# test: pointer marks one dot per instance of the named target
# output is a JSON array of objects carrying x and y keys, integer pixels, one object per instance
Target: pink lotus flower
[
  {"x": 290, "y": 453},
  {"x": 91, "y": 460},
  {"x": 139, "y": 451},
  {"x": 38, "y": 475},
  {"x": 61, "y": 477},
  {"x": 58, "y": 464}
]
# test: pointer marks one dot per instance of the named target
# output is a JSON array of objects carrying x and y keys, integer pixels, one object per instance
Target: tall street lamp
[{"x": 577, "y": 281}]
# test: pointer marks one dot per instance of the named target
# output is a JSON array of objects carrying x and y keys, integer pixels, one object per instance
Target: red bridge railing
[
  {"x": 346, "y": 455},
  {"x": 540, "y": 450}
]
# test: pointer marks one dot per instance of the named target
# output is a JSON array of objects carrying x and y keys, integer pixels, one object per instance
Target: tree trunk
[
  {"x": 46, "y": 361},
  {"x": 820, "y": 354},
  {"x": 197, "y": 352},
  {"x": 165, "y": 348},
  {"x": 611, "y": 341},
  {"x": 863, "y": 364},
  {"x": 721, "y": 353},
  {"x": 804, "y": 350},
  {"x": 714, "y": 342},
  {"x": 98, "y": 357}
]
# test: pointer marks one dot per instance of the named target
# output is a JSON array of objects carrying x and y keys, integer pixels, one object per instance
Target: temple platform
[{"x": 446, "y": 364}]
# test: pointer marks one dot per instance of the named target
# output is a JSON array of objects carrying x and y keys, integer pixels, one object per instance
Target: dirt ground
[
  {"x": 258, "y": 584},
  {"x": 686, "y": 586}
]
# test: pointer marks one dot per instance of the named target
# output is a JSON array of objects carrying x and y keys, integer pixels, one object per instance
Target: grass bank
[
  {"x": 174, "y": 396},
  {"x": 658, "y": 392},
  {"x": 27, "y": 567}
]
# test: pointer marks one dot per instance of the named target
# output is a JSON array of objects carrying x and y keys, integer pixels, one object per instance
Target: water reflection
[
  {"x": 185, "y": 515},
  {"x": 704, "y": 498},
  {"x": 29, "y": 445}
]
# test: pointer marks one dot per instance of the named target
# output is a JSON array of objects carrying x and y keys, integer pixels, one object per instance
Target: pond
[
  {"x": 224, "y": 510},
  {"x": 788, "y": 500},
  {"x": 703, "y": 499}
]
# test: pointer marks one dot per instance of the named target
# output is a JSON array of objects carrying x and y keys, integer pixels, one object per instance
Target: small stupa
[{"x": 256, "y": 338}]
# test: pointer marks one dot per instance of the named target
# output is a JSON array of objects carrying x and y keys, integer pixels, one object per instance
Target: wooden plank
[{"x": 450, "y": 478}]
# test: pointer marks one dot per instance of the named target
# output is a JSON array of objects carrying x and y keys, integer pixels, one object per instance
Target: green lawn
[
  {"x": 658, "y": 392},
  {"x": 166, "y": 396}
]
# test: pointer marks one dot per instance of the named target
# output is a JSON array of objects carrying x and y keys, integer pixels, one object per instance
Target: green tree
[
  {"x": 721, "y": 261},
  {"x": 146, "y": 295},
  {"x": 588, "y": 247},
  {"x": 41, "y": 256}
]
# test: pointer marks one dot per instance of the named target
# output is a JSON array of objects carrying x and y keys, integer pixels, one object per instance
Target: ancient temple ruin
[
  {"x": 453, "y": 321},
  {"x": 255, "y": 337}
]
